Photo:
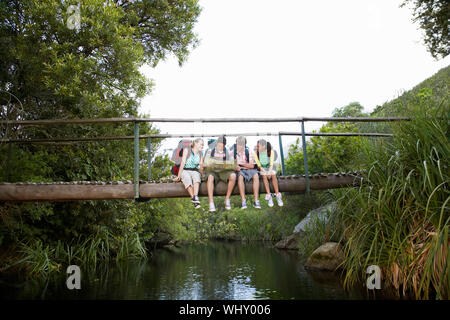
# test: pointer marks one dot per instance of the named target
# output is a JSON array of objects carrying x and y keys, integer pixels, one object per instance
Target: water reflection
[{"x": 217, "y": 270}]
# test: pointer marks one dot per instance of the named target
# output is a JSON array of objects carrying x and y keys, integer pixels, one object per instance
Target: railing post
[
  {"x": 281, "y": 155},
  {"x": 136, "y": 160},
  {"x": 305, "y": 158},
  {"x": 149, "y": 158},
  {"x": 7, "y": 168}
]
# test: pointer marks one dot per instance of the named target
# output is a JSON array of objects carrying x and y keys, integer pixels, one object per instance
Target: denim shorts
[{"x": 247, "y": 174}]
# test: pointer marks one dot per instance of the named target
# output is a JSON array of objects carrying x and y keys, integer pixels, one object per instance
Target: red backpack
[{"x": 177, "y": 154}]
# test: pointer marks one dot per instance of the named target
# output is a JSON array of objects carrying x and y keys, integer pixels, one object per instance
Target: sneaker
[
  {"x": 212, "y": 208},
  {"x": 270, "y": 202},
  {"x": 279, "y": 201},
  {"x": 257, "y": 205},
  {"x": 196, "y": 205},
  {"x": 195, "y": 200},
  {"x": 244, "y": 205},
  {"x": 268, "y": 196},
  {"x": 227, "y": 204}
]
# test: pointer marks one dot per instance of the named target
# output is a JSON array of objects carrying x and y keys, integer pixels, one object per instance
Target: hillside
[{"x": 435, "y": 88}]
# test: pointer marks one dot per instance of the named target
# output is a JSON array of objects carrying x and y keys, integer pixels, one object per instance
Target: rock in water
[
  {"x": 289, "y": 243},
  {"x": 316, "y": 214},
  {"x": 328, "y": 256},
  {"x": 302, "y": 229}
]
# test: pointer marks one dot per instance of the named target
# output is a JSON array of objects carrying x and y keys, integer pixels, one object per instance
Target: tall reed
[
  {"x": 399, "y": 218},
  {"x": 42, "y": 259}
]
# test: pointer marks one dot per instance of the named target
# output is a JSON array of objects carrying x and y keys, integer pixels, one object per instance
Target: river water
[{"x": 218, "y": 270}]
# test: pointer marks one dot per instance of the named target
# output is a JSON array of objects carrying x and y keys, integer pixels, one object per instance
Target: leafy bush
[{"x": 399, "y": 218}]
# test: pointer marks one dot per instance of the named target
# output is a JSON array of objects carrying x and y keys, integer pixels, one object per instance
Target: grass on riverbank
[
  {"x": 399, "y": 218},
  {"x": 271, "y": 224},
  {"x": 267, "y": 223},
  {"x": 36, "y": 258}
]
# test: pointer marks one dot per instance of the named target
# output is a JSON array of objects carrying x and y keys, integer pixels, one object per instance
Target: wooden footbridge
[
  {"x": 166, "y": 188},
  {"x": 100, "y": 190}
]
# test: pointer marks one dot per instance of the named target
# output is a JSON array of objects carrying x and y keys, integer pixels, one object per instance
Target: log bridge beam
[{"x": 98, "y": 190}]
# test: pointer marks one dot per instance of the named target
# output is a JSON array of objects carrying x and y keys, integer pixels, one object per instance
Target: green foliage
[
  {"x": 354, "y": 109},
  {"x": 432, "y": 91},
  {"x": 399, "y": 219},
  {"x": 433, "y": 18},
  {"x": 48, "y": 71},
  {"x": 318, "y": 232},
  {"x": 171, "y": 22},
  {"x": 178, "y": 219},
  {"x": 329, "y": 154},
  {"x": 40, "y": 258},
  {"x": 271, "y": 224}
]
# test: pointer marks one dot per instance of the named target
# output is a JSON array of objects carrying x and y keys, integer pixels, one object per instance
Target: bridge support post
[
  {"x": 282, "y": 156},
  {"x": 149, "y": 158},
  {"x": 305, "y": 158},
  {"x": 136, "y": 160},
  {"x": 7, "y": 167}
]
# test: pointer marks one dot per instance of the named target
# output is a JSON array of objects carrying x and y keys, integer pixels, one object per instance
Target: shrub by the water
[
  {"x": 40, "y": 259},
  {"x": 399, "y": 218}
]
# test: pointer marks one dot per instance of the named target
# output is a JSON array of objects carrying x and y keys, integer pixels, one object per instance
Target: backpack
[
  {"x": 177, "y": 155},
  {"x": 211, "y": 145}
]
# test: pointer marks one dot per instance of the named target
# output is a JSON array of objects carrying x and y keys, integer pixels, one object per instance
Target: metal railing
[{"x": 136, "y": 137}]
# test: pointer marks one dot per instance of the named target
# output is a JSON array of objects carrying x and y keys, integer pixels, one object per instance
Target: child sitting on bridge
[
  {"x": 218, "y": 167},
  {"x": 191, "y": 170},
  {"x": 246, "y": 171},
  {"x": 264, "y": 158}
]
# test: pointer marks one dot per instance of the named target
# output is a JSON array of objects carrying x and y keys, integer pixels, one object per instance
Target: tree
[
  {"x": 326, "y": 154},
  {"x": 58, "y": 72},
  {"x": 55, "y": 71},
  {"x": 433, "y": 17},
  {"x": 329, "y": 154},
  {"x": 354, "y": 109}
]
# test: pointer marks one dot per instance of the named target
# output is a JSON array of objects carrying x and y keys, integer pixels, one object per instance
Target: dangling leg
[
  {"x": 277, "y": 191},
  {"x": 256, "y": 203},
  {"x": 210, "y": 188},
  {"x": 256, "y": 187},
  {"x": 196, "y": 201},
  {"x": 241, "y": 186},
  {"x": 266, "y": 184},
  {"x": 187, "y": 180},
  {"x": 190, "y": 190},
  {"x": 196, "y": 188},
  {"x": 231, "y": 183},
  {"x": 275, "y": 183}
]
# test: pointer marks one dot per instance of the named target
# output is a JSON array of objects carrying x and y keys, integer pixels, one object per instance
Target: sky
[{"x": 285, "y": 58}]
